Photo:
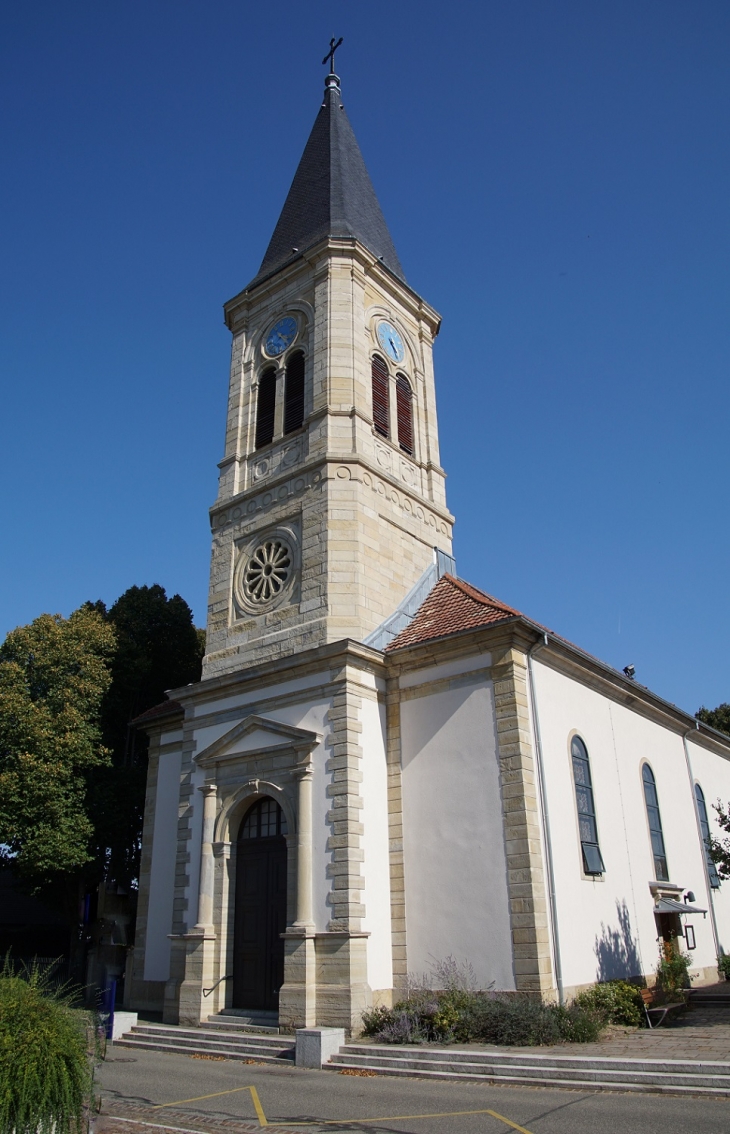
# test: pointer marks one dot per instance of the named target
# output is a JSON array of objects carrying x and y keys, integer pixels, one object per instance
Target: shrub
[
  {"x": 578, "y": 1024},
  {"x": 723, "y": 965},
  {"x": 45, "y": 1073},
  {"x": 614, "y": 1002},
  {"x": 672, "y": 972},
  {"x": 480, "y": 1018}
]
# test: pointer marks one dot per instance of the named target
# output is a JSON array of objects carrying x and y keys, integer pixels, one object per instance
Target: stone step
[
  {"x": 242, "y": 1024},
  {"x": 530, "y": 1056},
  {"x": 251, "y": 1015},
  {"x": 216, "y": 1035},
  {"x": 607, "y": 1074},
  {"x": 209, "y": 1041},
  {"x": 179, "y": 1049},
  {"x": 522, "y": 1080}
]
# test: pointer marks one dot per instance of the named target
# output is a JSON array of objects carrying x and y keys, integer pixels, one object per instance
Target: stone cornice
[
  {"x": 319, "y": 462},
  {"x": 311, "y": 258},
  {"x": 521, "y": 633},
  {"x": 346, "y": 651}
]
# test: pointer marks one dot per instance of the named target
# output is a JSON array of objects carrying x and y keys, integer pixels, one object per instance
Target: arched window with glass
[
  {"x": 591, "y": 851},
  {"x": 661, "y": 871},
  {"x": 705, "y": 829},
  {"x": 266, "y": 408}
]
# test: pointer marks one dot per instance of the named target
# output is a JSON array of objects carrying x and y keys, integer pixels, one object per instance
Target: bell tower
[{"x": 331, "y": 497}]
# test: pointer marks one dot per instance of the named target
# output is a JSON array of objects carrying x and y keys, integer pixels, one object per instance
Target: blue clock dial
[
  {"x": 391, "y": 342},
  {"x": 281, "y": 335}
]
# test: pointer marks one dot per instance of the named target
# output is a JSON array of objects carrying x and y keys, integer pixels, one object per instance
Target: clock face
[
  {"x": 391, "y": 342},
  {"x": 281, "y": 335}
]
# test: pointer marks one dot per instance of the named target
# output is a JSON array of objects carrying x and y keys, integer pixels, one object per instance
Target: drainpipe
[
  {"x": 550, "y": 872},
  {"x": 702, "y": 841}
]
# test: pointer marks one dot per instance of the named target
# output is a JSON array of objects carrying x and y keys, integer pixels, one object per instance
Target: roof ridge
[{"x": 478, "y": 595}]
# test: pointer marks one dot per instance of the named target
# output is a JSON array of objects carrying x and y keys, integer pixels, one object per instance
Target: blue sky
[{"x": 555, "y": 177}]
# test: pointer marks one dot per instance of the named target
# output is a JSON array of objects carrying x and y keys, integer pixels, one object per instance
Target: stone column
[
  {"x": 207, "y": 864},
  {"x": 200, "y": 940},
  {"x": 297, "y": 997},
  {"x": 305, "y": 915}
]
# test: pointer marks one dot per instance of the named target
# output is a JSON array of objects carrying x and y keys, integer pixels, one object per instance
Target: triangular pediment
[{"x": 256, "y": 734}]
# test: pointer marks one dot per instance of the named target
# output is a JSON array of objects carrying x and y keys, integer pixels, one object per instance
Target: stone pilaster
[
  {"x": 395, "y": 838},
  {"x": 525, "y": 865}
]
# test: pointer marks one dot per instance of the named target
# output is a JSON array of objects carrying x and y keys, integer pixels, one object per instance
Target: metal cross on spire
[{"x": 331, "y": 53}]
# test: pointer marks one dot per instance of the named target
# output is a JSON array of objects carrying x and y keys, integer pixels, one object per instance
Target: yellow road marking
[
  {"x": 216, "y": 1094},
  {"x": 402, "y": 1118},
  {"x": 337, "y": 1121},
  {"x": 259, "y": 1108},
  {"x": 198, "y": 1098},
  {"x": 508, "y": 1122}
]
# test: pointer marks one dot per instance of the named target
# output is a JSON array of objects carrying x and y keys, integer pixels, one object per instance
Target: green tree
[
  {"x": 158, "y": 648},
  {"x": 719, "y": 718},
  {"x": 54, "y": 674}
]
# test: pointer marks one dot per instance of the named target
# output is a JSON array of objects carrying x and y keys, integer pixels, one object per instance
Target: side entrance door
[{"x": 260, "y": 914}]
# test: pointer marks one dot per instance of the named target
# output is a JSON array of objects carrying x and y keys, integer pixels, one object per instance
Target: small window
[
  {"x": 265, "y": 820},
  {"x": 661, "y": 872},
  {"x": 705, "y": 828},
  {"x": 265, "y": 408},
  {"x": 294, "y": 392},
  {"x": 592, "y": 860},
  {"x": 404, "y": 407},
  {"x": 381, "y": 397}
]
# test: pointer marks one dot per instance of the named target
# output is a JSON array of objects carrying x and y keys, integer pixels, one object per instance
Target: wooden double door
[{"x": 260, "y": 912}]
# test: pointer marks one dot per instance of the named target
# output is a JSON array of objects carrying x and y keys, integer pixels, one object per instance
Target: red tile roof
[
  {"x": 164, "y": 709},
  {"x": 451, "y": 606}
]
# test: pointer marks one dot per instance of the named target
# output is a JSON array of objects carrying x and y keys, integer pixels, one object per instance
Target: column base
[{"x": 193, "y": 1007}]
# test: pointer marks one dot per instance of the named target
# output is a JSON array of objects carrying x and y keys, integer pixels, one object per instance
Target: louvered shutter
[
  {"x": 404, "y": 408},
  {"x": 294, "y": 393},
  {"x": 381, "y": 401},
  {"x": 265, "y": 408}
]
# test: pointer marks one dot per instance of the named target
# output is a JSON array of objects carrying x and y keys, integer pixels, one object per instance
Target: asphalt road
[{"x": 332, "y": 1102}]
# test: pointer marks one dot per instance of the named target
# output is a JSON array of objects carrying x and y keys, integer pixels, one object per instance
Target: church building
[{"x": 383, "y": 766}]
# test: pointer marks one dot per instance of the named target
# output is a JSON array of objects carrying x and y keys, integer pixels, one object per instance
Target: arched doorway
[{"x": 260, "y": 918}]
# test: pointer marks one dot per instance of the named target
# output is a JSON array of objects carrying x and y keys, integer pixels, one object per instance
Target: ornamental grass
[{"x": 46, "y": 1068}]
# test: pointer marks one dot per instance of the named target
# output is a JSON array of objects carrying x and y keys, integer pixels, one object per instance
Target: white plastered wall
[
  {"x": 606, "y": 926},
  {"x": 712, "y": 773},
  {"x": 162, "y": 872},
  {"x": 456, "y": 896}
]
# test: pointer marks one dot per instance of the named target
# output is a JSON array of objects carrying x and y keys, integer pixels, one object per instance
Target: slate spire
[{"x": 331, "y": 194}]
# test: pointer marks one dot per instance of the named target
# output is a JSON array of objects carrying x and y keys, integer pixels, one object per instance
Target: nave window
[
  {"x": 592, "y": 859},
  {"x": 661, "y": 871}
]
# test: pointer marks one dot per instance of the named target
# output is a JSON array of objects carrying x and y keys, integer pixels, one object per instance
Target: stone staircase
[
  {"x": 538, "y": 1070},
  {"x": 229, "y": 1035},
  {"x": 714, "y": 997}
]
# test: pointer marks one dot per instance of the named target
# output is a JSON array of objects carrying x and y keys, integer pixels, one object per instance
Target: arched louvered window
[
  {"x": 294, "y": 392},
  {"x": 705, "y": 828},
  {"x": 265, "y": 408},
  {"x": 592, "y": 860},
  {"x": 381, "y": 397},
  {"x": 404, "y": 407},
  {"x": 661, "y": 871}
]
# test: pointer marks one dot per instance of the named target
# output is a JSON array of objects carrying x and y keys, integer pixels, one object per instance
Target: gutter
[
  {"x": 550, "y": 871},
  {"x": 710, "y": 900}
]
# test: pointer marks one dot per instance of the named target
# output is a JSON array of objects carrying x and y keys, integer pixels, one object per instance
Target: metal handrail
[{"x": 207, "y": 991}]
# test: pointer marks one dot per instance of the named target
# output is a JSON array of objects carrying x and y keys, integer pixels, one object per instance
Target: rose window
[{"x": 267, "y": 572}]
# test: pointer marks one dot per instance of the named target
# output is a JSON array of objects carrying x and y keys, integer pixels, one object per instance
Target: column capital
[{"x": 208, "y": 789}]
